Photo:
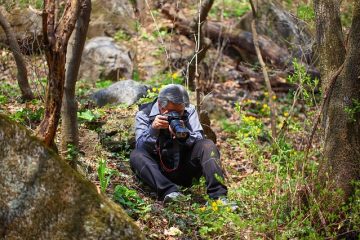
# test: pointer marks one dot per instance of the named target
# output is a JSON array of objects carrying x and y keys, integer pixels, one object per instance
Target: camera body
[{"x": 176, "y": 124}]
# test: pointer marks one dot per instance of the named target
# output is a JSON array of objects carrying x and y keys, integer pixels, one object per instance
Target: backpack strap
[{"x": 146, "y": 108}]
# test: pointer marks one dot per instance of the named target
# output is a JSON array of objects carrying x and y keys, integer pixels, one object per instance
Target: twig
[
  {"x": 265, "y": 73},
  {"x": 321, "y": 216},
  {"x": 158, "y": 30}
]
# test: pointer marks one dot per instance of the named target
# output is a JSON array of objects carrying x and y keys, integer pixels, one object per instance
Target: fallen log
[
  {"x": 243, "y": 40},
  {"x": 239, "y": 40}
]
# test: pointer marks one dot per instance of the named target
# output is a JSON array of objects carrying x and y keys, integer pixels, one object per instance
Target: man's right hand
[{"x": 160, "y": 122}]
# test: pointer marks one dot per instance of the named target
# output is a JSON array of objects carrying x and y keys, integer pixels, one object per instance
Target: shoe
[{"x": 172, "y": 197}]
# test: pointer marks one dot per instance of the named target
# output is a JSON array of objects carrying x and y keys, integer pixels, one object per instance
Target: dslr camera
[{"x": 181, "y": 132}]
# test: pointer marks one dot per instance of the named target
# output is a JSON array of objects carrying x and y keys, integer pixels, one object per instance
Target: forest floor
[
  {"x": 266, "y": 177},
  {"x": 250, "y": 160}
]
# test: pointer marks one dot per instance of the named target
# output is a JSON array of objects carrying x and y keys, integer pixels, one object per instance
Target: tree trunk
[
  {"x": 20, "y": 63},
  {"x": 69, "y": 123},
  {"x": 55, "y": 40},
  {"x": 342, "y": 131}
]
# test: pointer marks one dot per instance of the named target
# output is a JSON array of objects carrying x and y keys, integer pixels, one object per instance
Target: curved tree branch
[{"x": 20, "y": 63}]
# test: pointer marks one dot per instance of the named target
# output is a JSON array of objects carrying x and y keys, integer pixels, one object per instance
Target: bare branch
[
  {"x": 20, "y": 62},
  {"x": 265, "y": 73}
]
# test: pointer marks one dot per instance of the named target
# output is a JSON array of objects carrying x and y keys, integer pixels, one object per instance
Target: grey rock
[
  {"x": 282, "y": 27},
  {"x": 125, "y": 91},
  {"x": 27, "y": 27},
  {"x": 43, "y": 198},
  {"x": 109, "y": 16},
  {"x": 104, "y": 59},
  {"x": 215, "y": 107}
]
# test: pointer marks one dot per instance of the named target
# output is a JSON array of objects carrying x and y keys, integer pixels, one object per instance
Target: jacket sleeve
[
  {"x": 145, "y": 135},
  {"x": 193, "y": 124}
]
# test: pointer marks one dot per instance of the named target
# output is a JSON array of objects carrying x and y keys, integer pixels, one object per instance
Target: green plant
[
  {"x": 306, "y": 85},
  {"x": 103, "y": 83},
  {"x": 305, "y": 12},
  {"x": 353, "y": 109},
  {"x": 136, "y": 75},
  {"x": 28, "y": 117},
  {"x": 230, "y": 8},
  {"x": 165, "y": 79},
  {"x": 214, "y": 217},
  {"x": 346, "y": 15},
  {"x": 121, "y": 35},
  {"x": 160, "y": 33},
  {"x": 9, "y": 90},
  {"x": 71, "y": 152},
  {"x": 21, "y": 3},
  {"x": 130, "y": 200},
  {"x": 87, "y": 116},
  {"x": 146, "y": 36},
  {"x": 354, "y": 207},
  {"x": 3, "y": 99},
  {"x": 104, "y": 174},
  {"x": 158, "y": 52}
]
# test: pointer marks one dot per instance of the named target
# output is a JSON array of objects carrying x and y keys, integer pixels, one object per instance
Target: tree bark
[
  {"x": 55, "y": 40},
  {"x": 69, "y": 123},
  {"x": 20, "y": 63},
  {"x": 342, "y": 132}
]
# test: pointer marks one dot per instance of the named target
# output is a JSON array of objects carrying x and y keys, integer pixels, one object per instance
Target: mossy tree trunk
[
  {"x": 342, "y": 130},
  {"x": 56, "y": 38},
  {"x": 69, "y": 123},
  {"x": 20, "y": 62}
]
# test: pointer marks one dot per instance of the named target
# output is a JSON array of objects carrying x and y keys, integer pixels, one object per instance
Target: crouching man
[{"x": 170, "y": 147}]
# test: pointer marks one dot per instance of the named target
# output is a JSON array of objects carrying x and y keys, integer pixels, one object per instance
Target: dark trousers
[{"x": 202, "y": 159}]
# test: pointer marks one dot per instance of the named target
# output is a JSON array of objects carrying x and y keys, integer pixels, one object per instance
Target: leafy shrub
[
  {"x": 306, "y": 85},
  {"x": 130, "y": 200},
  {"x": 28, "y": 117}
]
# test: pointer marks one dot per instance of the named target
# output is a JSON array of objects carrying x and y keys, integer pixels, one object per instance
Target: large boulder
[
  {"x": 27, "y": 27},
  {"x": 125, "y": 91},
  {"x": 109, "y": 16},
  {"x": 282, "y": 27},
  {"x": 43, "y": 198},
  {"x": 104, "y": 59}
]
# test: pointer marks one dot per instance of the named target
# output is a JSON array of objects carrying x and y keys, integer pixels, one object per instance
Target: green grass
[
  {"x": 38, "y": 4},
  {"x": 230, "y": 8}
]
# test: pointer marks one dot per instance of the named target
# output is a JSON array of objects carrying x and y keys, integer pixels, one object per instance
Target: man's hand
[{"x": 160, "y": 122}]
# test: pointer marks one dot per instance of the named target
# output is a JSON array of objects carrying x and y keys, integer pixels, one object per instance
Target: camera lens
[{"x": 181, "y": 132}]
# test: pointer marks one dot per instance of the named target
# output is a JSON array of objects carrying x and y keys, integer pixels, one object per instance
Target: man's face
[{"x": 172, "y": 107}]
